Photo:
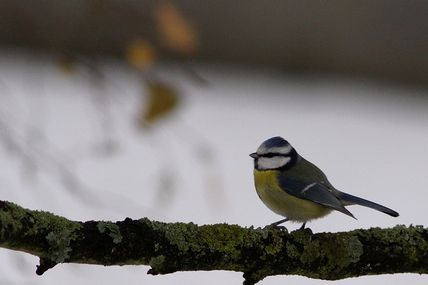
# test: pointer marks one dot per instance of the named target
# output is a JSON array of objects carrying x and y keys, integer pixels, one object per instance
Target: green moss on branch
[{"x": 171, "y": 247}]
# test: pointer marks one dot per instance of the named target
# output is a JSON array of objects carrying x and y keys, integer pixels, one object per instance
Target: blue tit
[{"x": 296, "y": 189}]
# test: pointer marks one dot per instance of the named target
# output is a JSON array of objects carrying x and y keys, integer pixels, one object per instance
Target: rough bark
[{"x": 171, "y": 247}]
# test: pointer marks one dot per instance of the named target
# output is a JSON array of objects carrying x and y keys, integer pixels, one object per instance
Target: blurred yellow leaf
[
  {"x": 141, "y": 54},
  {"x": 175, "y": 31},
  {"x": 66, "y": 64},
  {"x": 163, "y": 99}
]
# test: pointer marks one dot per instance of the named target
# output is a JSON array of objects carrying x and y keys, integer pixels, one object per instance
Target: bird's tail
[{"x": 350, "y": 200}]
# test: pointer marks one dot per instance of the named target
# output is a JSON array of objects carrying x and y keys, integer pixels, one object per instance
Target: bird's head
[{"x": 274, "y": 153}]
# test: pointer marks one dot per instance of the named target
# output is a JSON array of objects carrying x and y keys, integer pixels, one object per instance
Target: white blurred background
[{"x": 73, "y": 143}]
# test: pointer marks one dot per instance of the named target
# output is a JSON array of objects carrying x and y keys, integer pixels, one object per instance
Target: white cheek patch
[
  {"x": 281, "y": 149},
  {"x": 272, "y": 162}
]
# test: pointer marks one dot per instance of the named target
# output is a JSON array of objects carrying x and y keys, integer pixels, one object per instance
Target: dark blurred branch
[
  {"x": 382, "y": 39},
  {"x": 171, "y": 247}
]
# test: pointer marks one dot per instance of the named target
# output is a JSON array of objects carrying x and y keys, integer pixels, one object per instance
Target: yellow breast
[{"x": 284, "y": 204}]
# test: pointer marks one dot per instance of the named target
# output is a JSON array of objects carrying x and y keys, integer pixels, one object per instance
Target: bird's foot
[
  {"x": 279, "y": 222},
  {"x": 276, "y": 225}
]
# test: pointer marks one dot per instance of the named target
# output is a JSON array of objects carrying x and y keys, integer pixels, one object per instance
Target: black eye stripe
[{"x": 274, "y": 154}]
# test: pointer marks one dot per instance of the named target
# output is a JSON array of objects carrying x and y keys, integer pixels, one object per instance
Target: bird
[{"x": 296, "y": 189}]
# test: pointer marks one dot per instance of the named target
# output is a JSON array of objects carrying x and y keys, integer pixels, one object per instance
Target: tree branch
[{"x": 171, "y": 247}]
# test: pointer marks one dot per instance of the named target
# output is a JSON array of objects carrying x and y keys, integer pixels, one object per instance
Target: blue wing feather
[{"x": 314, "y": 192}]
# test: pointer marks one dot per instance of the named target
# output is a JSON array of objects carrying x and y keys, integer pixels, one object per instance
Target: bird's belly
[{"x": 284, "y": 204}]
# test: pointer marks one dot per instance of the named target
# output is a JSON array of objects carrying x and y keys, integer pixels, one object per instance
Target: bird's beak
[{"x": 254, "y": 155}]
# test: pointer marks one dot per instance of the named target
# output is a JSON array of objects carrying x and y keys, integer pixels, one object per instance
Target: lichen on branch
[{"x": 171, "y": 247}]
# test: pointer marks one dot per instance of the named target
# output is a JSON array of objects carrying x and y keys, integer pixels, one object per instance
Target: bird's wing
[{"x": 314, "y": 192}]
